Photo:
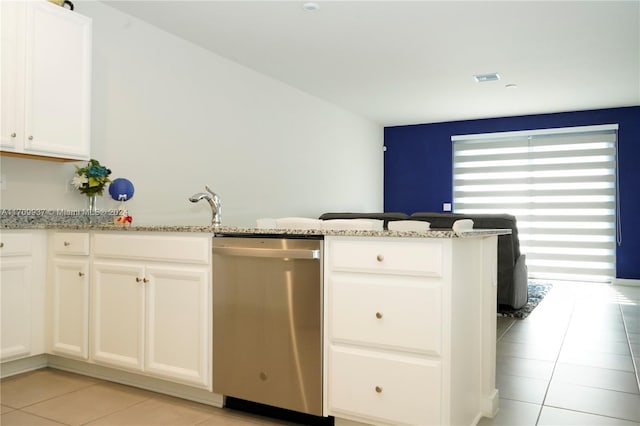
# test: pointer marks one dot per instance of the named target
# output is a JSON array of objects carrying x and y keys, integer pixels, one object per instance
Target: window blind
[{"x": 561, "y": 186}]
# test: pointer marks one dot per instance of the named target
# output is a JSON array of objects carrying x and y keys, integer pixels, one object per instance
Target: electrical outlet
[{"x": 446, "y": 207}]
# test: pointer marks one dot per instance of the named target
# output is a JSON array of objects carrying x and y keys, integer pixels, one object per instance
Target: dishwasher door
[{"x": 267, "y": 321}]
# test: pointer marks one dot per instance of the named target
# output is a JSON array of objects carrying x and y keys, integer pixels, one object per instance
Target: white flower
[{"x": 78, "y": 181}]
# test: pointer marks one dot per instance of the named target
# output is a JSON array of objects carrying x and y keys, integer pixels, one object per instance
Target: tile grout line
[
  {"x": 43, "y": 417},
  {"x": 555, "y": 363},
  {"x": 116, "y": 411}
]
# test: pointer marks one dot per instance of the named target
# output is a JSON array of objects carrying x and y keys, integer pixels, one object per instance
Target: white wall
[{"x": 172, "y": 117}]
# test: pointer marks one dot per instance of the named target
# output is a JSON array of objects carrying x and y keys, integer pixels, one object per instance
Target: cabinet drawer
[
  {"x": 71, "y": 243},
  {"x": 382, "y": 387},
  {"x": 408, "y": 256},
  {"x": 15, "y": 244},
  {"x": 402, "y": 313},
  {"x": 181, "y": 249}
]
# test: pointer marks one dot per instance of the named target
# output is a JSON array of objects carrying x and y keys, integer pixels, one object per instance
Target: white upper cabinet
[{"x": 46, "y": 80}]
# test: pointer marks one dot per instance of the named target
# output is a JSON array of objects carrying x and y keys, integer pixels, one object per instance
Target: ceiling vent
[{"x": 483, "y": 78}]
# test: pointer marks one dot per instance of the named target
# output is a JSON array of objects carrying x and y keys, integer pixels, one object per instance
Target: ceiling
[{"x": 405, "y": 62}]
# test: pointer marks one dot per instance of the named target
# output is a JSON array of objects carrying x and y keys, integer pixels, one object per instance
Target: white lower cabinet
[
  {"x": 70, "y": 308},
  {"x": 385, "y": 386},
  {"x": 16, "y": 308},
  {"x": 69, "y": 294},
  {"x": 22, "y": 276},
  {"x": 400, "y": 348},
  {"x": 151, "y": 308},
  {"x": 118, "y": 315}
]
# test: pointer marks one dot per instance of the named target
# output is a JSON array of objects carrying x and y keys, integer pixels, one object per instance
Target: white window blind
[{"x": 561, "y": 186}]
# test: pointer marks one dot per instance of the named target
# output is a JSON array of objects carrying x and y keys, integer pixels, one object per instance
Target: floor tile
[
  {"x": 593, "y": 400},
  {"x": 26, "y": 389},
  {"x": 532, "y": 368},
  {"x": 592, "y": 345},
  {"x": 513, "y": 413},
  {"x": 523, "y": 389},
  {"x": 558, "y": 417},
  {"x": 604, "y": 378},
  {"x": 20, "y": 418},
  {"x": 528, "y": 351},
  {"x": 503, "y": 324},
  {"x": 89, "y": 404},
  {"x": 597, "y": 359},
  {"x": 602, "y": 335},
  {"x": 534, "y": 336},
  {"x": 158, "y": 411}
]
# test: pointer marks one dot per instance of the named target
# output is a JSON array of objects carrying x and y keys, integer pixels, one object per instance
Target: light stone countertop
[{"x": 54, "y": 220}]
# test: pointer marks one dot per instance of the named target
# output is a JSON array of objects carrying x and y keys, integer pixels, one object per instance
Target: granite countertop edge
[{"x": 240, "y": 231}]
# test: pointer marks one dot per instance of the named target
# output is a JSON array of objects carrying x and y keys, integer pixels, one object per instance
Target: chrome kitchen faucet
[{"x": 214, "y": 201}]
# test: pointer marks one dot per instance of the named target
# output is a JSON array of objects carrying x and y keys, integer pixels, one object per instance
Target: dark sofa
[{"x": 512, "y": 267}]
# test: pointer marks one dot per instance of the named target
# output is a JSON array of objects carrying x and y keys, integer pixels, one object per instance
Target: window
[{"x": 561, "y": 186}]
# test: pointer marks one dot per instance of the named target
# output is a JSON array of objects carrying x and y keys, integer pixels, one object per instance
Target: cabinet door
[
  {"x": 15, "y": 293},
  {"x": 12, "y": 15},
  {"x": 178, "y": 342},
  {"x": 118, "y": 314},
  {"x": 58, "y": 81},
  {"x": 70, "y": 309}
]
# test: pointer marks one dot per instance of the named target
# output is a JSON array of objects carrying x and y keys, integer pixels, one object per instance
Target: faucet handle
[{"x": 216, "y": 198}]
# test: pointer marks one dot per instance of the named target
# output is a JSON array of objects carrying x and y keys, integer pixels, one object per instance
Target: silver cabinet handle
[
  {"x": 13, "y": 135},
  {"x": 30, "y": 137},
  {"x": 263, "y": 252}
]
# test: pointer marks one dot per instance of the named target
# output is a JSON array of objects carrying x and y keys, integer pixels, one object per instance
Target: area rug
[{"x": 537, "y": 292}]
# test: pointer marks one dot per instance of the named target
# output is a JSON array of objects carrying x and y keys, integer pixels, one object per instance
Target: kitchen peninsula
[{"x": 409, "y": 317}]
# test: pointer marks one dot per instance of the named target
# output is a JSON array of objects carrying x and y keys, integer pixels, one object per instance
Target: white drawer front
[
  {"x": 15, "y": 244},
  {"x": 383, "y": 256},
  {"x": 398, "y": 313},
  {"x": 71, "y": 243},
  {"x": 377, "y": 386},
  {"x": 182, "y": 249}
]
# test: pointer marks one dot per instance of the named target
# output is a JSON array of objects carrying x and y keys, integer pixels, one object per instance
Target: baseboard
[
  {"x": 490, "y": 404},
  {"x": 625, "y": 281},
  {"x": 23, "y": 365}
]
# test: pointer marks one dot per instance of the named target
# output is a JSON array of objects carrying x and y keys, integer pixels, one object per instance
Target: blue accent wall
[{"x": 418, "y": 169}]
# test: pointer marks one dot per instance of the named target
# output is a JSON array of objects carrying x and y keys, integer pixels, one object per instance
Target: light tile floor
[
  {"x": 568, "y": 363},
  {"x": 52, "y": 398}
]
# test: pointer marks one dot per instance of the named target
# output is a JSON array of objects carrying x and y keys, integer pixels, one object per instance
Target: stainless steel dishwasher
[{"x": 267, "y": 321}]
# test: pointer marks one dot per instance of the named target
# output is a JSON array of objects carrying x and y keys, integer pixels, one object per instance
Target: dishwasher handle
[{"x": 268, "y": 252}]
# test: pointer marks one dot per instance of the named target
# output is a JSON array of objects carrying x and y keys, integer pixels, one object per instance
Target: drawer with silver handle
[
  {"x": 15, "y": 244},
  {"x": 71, "y": 243},
  {"x": 387, "y": 256},
  {"x": 386, "y": 389}
]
